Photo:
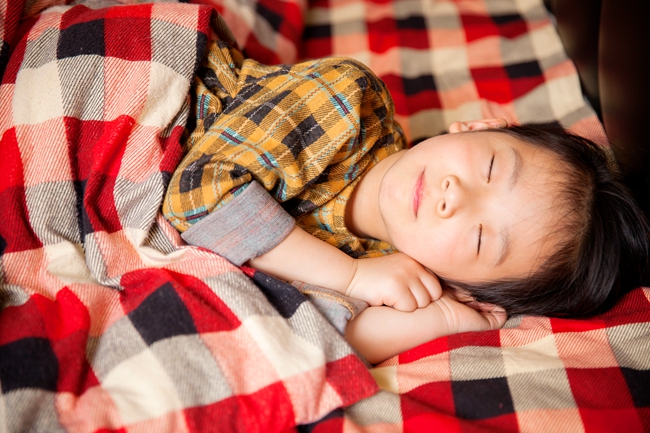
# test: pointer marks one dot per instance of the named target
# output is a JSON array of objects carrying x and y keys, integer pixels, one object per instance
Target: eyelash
[
  {"x": 490, "y": 170},
  {"x": 480, "y": 226}
]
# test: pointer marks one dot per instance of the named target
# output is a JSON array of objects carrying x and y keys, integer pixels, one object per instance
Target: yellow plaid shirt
[{"x": 306, "y": 133}]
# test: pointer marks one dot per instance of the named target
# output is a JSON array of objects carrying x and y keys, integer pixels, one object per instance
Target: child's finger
[
  {"x": 413, "y": 295},
  {"x": 420, "y": 293},
  {"x": 496, "y": 316},
  {"x": 432, "y": 285},
  {"x": 407, "y": 302}
]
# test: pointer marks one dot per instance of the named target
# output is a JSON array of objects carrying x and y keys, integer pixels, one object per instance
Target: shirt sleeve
[
  {"x": 212, "y": 198},
  {"x": 248, "y": 226}
]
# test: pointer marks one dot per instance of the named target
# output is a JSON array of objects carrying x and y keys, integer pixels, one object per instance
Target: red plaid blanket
[
  {"x": 109, "y": 323},
  {"x": 454, "y": 60}
]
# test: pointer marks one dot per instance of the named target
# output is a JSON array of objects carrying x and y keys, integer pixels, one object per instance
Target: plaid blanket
[
  {"x": 454, "y": 60},
  {"x": 108, "y": 322}
]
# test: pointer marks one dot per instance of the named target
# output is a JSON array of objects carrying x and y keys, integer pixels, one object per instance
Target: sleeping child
[{"x": 302, "y": 172}]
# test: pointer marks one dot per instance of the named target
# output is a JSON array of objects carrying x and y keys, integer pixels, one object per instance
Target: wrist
[{"x": 354, "y": 266}]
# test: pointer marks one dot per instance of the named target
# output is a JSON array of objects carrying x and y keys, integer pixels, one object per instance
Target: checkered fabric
[
  {"x": 108, "y": 322},
  {"x": 451, "y": 60},
  {"x": 191, "y": 343},
  {"x": 534, "y": 375}
]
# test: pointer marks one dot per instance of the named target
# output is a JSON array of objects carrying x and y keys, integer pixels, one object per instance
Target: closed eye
[
  {"x": 489, "y": 176},
  {"x": 480, "y": 236}
]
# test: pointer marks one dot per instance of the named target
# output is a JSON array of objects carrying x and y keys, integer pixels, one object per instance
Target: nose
[{"x": 452, "y": 197}]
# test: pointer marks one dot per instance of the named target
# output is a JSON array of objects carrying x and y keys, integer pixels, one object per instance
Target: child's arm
[
  {"x": 395, "y": 280},
  {"x": 381, "y": 332}
]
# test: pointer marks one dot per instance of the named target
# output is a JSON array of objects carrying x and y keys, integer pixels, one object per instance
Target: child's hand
[
  {"x": 396, "y": 280},
  {"x": 381, "y": 332},
  {"x": 466, "y": 315}
]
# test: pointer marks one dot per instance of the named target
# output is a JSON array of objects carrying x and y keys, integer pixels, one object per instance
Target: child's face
[{"x": 472, "y": 207}]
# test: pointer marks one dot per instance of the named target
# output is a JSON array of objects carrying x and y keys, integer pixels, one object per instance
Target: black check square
[
  {"x": 483, "y": 398},
  {"x": 419, "y": 84},
  {"x": 412, "y": 22},
  {"x": 85, "y": 38},
  {"x": 506, "y": 19},
  {"x": 283, "y": 296},
  {"x": 28, "y": 363},
  {"x": 638, "y": 382},
  {"x": 162, "y": 315},
  {"x": 314, "y": 31},
  {"x": 522, "y": 70}
]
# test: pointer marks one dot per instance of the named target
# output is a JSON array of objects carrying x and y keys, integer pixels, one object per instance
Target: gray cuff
[
  {"x": 337, "y": 308},
  {"x": 248, "y": 226}
]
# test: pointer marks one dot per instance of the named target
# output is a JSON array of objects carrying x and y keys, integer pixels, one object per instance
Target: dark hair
[{"x": 606, "y": 244}]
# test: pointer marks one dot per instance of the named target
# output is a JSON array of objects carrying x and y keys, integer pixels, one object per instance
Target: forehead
[
  {"x": 468, "y": 145},
  {"x": 530, "y": 241},
  {"x": 503, "y": 139},
  {"x": 533, "y": 215}
]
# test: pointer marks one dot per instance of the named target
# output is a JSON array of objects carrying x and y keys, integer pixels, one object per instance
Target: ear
[{"x": 477, "y": 125}]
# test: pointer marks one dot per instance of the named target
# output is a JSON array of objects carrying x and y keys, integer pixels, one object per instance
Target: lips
[{"x": 417, "y": 195}]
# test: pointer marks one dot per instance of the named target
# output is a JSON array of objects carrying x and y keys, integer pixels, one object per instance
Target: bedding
[{"x": 109, "y": 322}]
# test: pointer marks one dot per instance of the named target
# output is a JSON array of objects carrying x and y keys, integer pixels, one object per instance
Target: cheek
[
  {"x": 392, "y": 192},
  {"x": 434, "y": 249}
]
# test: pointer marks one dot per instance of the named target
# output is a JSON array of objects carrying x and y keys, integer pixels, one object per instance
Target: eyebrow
[
  {"x": 504, "y": 236},
  {"x": 514, "y": 176},
  {"x": 504, "y": 240}
]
